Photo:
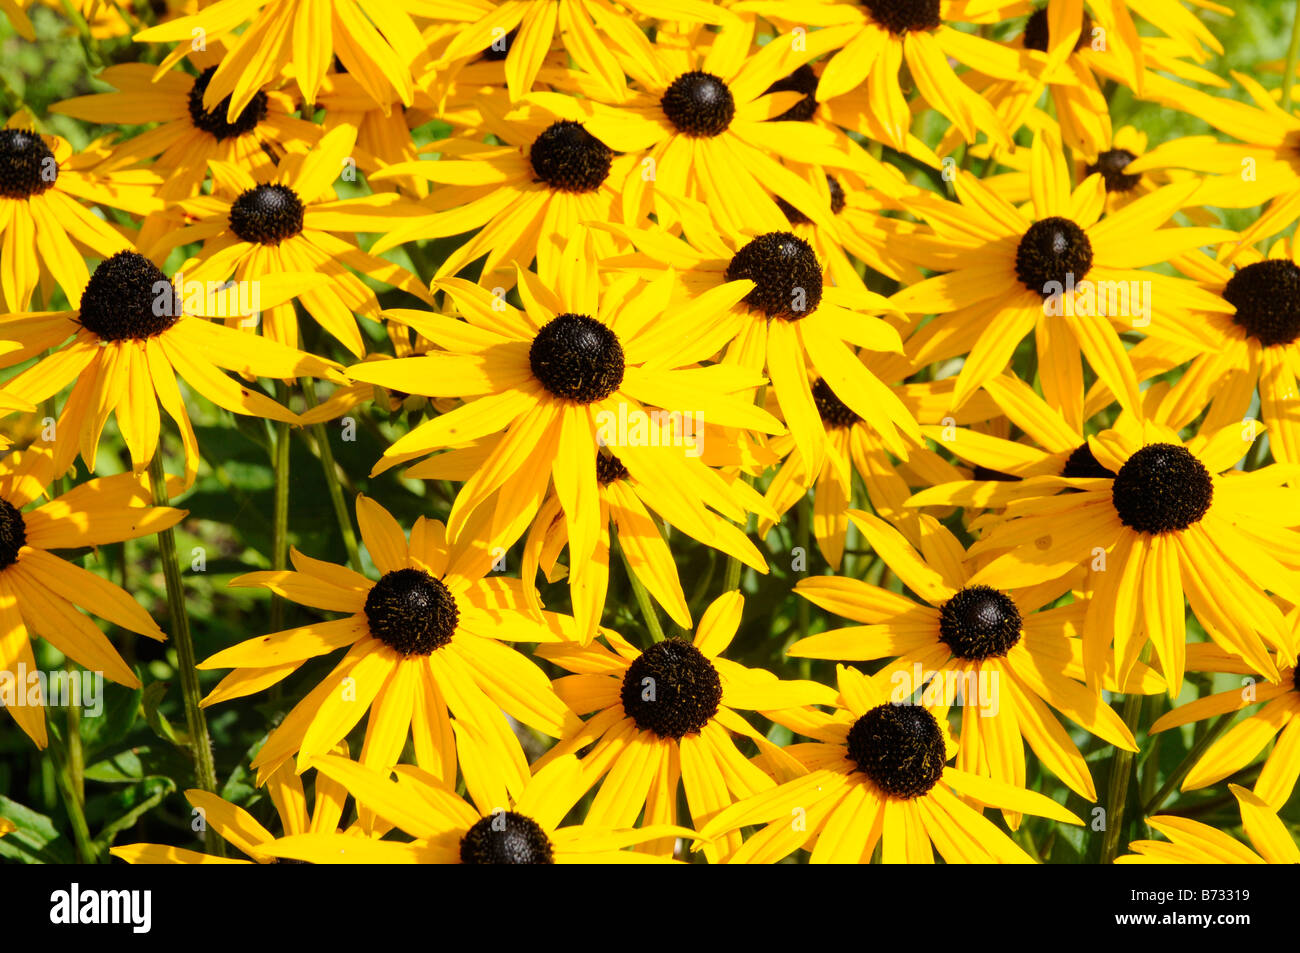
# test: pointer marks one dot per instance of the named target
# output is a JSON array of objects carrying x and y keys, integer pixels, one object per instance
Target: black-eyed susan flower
[
  {"x": 255, "y": 229},
  {"x": 238, "y": 828},
  {"x": 666, "y": 716},
  {"x": 497, "y": 828},
  {"x": 425, "y": 640},
  {"x": 378, "y": 43},
  {"x": 1056, "y": 269},
  {"x": 189, "y": 135},
  {"x": 40, "y": 591},
  {"x": 135, "y": 330},
  {"x": 877, "y": 775},
  {"x": 1192, "y": 842},
  {"x": 1244, "y": 741},
  {"x": 45, "y": 231},
  {"x": 1170, "y": 524},
  {"x": 1010, "y": 659},
  {"x": 577, "y": 365},
  {"x": 525, "y": 198}
]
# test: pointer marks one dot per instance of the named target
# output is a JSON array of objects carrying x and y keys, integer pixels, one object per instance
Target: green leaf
[{"x": 36, "y": 840}]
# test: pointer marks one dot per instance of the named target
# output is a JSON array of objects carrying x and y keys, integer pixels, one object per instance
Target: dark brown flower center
[
  {"x": 900, "y": 748},
  {"x": 569, "y": 158},
  {"x": 671, "y": 689},
  {"x": 1162, "y": 488},
  {"x": 1266, "y": 295},
  {"x": 213, "y": 121},
  {"x": 1053, "y": 254},
  {"x": 978, "y": 623},
  {"x": 904, "y": 16},
  {"x": 411, "y": 612},
  {"x": 1111, "y": 164},
  {"x": 786, "y": 274},
  {"x": 1036, "y": 33},
  {"x": 577, "y": 358},
  {"x": 128, "y": 297},
  {"x": 27, "y": 165},
  {"x": 699, "y": 104},
  {"x": 13, "y": 533},
  {"x": 267, "y": 214},
  {"x": 505, "y": 837}
]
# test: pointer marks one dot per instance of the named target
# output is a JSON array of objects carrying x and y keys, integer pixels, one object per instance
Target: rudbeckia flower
[
  {"x": 423, "y": 640},
  {"x": 245, "y": 833},
  {"x": 1011, "y": 659},
  {"x": 255, "y": 229},
  {"x": 40, "y": 592},
  {"x": 1191, "y": 842},
  {"x": 132, "y": 333},
  {"x": 377, "y": 42},
  {"x": 1242, "y": 327},
  {"x": 528, "y": 197},
  {"x": 1170, "y": 523},
  {"x": 1242, "y": 744},
  {"x": 701, "y": 124},
  {"x": 557, "y": 376},
  {"x": 495, "y": 829},
  {"x": 190, "y": 135},
  {"x": 665, "y": 717},
  {"x": 1010, "y": 272},
  {"x": 44, "y": 228},
  {"x": 877, "y": 775}
]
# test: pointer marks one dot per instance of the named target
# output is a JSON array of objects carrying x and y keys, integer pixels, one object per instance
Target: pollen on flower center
[
  {"x": 900, "y": 748},
  {"x": 127, "y": 297},
  {"x": 802, "y": 80},
  {"x": 1082, "y": 463},
  {"x": 609, "y": 469},
  {"x": 577, "y": 358},
  {"x": 671, "y": 689},
  {"x": 505, "y": 837},
  {"x": 796, "y": 217},
  {"x": 1036, "y": 35},
  {"x": 213, "y": 121},
  {"x": 1053, "y": 250},
  {"x": 1162, "y": 488},
  {"x": 904, "y": 16},
  {"x": 1266, "y": 295},
  {"x": 699, "y": 104},
  {"x": 786, "y": 274},
  {"x": 978, "y": 623},
  {"x": 833, "y": 411},
  {"x": 1111, "y": 164},
  {"x": 13, "y": 533},
  {"x": 267, "y": 214},
  {"x": 411, "y": 612},
  {"x": 569, "y": 158},
  {"x": 27, "y": 165}
]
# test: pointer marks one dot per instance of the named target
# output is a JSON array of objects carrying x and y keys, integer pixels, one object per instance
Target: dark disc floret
[
  {"x": 1036, "y": 36},
  {"x": 833, "y": 411},
  {"x": 13, "y": 533},
  {"x": 505, "y": 837},
  {"x": 27, "y": 165},
  {"x": 213, "y": 121},
  {"x": 1050, "y": 252},
  {"x": 1082, "y": 463},
  {"x": 1266, "y": 295},
  {"x": 1111, "y": 164},
  {"x": 609, "y": 469},
  {"x": 569, "y": 158},
  {"x": 786, "y": 274},
  {"x": 411, "y": 612},
  {"x": 699, "y": 104},
  {"x": 904, "y": 16},
  {"x": 577, "y": 358},
  {"x": 127, "y": 297},
  {"x": 796, "y": 217},
  {"x": 267, "y": 214},
  {"x": 671, "y": 689},
  {"x": 900, "y": 748},
  {"x": 978, "y": 623},
  {"x": 1161, "y": 489},
  {"x": 802, "y": 80}
]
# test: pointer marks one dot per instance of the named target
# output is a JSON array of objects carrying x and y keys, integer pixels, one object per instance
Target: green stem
[
  {"x": 76, "y": 754},
  {"x": 1117, "y": 790},
  {"x": 1292, "y": 55},
  {"x": 1184, "y": 766},
  {"x": 280, "y": 517},
  {"x": 196, "y": 723},
  {"x": 643, "y": 600},
  {"x": 67, "y": 785},
  {"x": 321, "y": 436}
]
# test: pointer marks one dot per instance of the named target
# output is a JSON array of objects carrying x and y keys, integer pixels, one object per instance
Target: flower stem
[
  {"x": 1292, "y": 55},
  {"x": 280, "y": 517},
  {"x": 1117, "y": 790},
  {"x": 1184, "y": 766},
  {"x": 72, "y": 802},
  {"x": 327, "y": 463},
  {"x": 643, "y": 601},
  {"x": 196, "y": 723}
]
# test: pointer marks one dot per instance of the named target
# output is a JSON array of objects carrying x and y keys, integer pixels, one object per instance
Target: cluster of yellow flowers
[{"x": 683, "y": 276}]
